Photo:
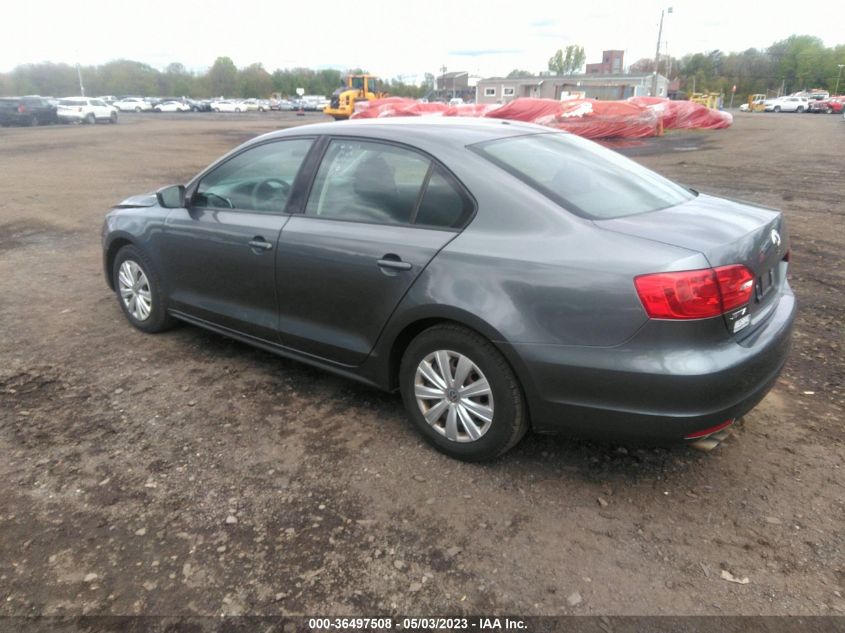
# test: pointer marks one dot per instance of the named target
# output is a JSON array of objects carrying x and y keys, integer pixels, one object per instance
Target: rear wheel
[
  {"x": 800, "y": 108},
  {"x": 33, "y": 121},
  {"x": 113, "y": 118},
  {"x": 777, "y": 108},
  {"x": 139, "y": 291},
  {"x": 461, "y": 394},
  {"x": 90, "y": 118},
  {"x": 137, "y": 108}
]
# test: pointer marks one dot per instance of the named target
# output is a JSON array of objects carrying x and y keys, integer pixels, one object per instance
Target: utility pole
[
  {"x": 657, "y": 52},
  {"x": 838, "y": 75},
  {"x": 443, "y": 80},
  {"x": 668, "y": 63},
  {"x": 79, "y": 76}
]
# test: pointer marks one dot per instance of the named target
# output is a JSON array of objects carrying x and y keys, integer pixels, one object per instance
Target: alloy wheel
[
  {"x": 135, "y": 290},
  {"x": 454, "y": 396}
]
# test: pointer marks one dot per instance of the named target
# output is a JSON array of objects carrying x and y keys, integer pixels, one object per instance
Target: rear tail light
[
  {"x": 21, "y": 109},
  {"x": 735, "y": 284},
  {"x": 695, "y": 294}
]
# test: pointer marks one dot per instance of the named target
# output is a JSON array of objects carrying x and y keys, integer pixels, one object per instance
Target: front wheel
[
  {"x": 777, "y": 108},
  {"x": 139, "y": 291},
  {"x": 113, "y": 118},
  {"x": 461, "y": 394},
  {"x": 90, "y": 119},
  {"x": 800, "y": 108}
]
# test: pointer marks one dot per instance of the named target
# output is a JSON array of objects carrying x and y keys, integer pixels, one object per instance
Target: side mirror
[{"x": 172, "y": 197}]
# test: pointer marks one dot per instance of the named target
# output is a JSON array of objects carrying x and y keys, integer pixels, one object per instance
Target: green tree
[
  {"x": 519, "y": 74},
  {"x": 255, "y": 82},
  {"x": 177, "y": 81},
  {"x": 569, "y": 62},
  {"x": 223, "y": 77}
]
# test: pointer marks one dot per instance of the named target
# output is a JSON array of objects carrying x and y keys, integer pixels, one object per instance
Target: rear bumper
[{"x": 651, "y": 388}]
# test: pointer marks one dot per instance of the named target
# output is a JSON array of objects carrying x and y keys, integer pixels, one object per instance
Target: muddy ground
[{"x": 188, "y": 474}]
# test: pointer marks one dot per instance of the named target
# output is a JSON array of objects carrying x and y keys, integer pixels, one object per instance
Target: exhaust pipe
[{"x": 705, "y": 444}]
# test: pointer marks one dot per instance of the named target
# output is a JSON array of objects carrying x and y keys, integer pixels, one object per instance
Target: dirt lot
[{"x": 188, "y": 474}]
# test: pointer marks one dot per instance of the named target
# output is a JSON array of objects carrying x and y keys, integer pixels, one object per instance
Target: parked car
[
  {"x": 27, "y": 111},
  {"x": 828, "y": 106},
  {"x": 85, "y": 110},
  {"x": 172, "y": 106},
  {"x": 787, "y": 104},
  {"x": 256, "y": 105},
  {"x": 499, "y": 275},
  {"x": 133, "y": 104},
  {"x": 108, "y": 99},
  {"x": 228, "y": 105},
  {"x": 199, "y": 105}
]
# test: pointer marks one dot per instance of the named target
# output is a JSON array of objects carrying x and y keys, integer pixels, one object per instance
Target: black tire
[
  {"x": 90, "y": 119},
  {"x": 510, "y": 420},
  {"x": 33, "y": 121},
  {"x": 158, "y": 320},
  {"x": 800, "y": 108},
  {"x": 777, "y": 108},
  {"x": 137, "y": 108},
  {"x": 113, "y": 118}
]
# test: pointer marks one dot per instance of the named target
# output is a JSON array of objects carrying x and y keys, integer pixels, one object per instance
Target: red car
[{"x": 834, "y": 105}]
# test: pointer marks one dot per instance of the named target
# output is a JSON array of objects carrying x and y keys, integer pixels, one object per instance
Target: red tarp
[
  {"x": 636, "y": 118},
  {"x": 585, "y": 117},
  {"x": 685, "y": 115}
]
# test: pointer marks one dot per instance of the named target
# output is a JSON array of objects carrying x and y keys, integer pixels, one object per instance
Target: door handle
[
  {"x": 260, "y": 243},
  {"x": 394, "y": 264}
]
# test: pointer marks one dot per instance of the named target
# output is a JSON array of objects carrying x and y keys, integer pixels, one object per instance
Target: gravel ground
[{"x": 186, "y": 474}]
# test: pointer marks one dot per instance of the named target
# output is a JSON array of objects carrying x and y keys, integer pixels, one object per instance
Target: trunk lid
[{"x": 726, "y": 232}]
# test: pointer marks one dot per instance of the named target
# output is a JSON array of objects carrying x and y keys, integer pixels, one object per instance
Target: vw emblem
[{"x": 775, "y": 237}]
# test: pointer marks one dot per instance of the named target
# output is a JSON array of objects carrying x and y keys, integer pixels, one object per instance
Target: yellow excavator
[{"x": 357, "y": 88}]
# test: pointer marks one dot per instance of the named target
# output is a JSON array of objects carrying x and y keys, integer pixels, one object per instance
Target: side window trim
[
  {"x": 193, "y": 185},
  {"x": 423, "y": 188}
]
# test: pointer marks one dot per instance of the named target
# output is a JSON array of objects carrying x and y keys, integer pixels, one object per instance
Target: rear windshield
[
  {"x": 582, "y": 176},
  {"x": 72, "y": 102}
]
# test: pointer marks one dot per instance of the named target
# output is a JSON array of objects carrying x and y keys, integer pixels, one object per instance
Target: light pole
[
  {"x": 657, "y": 52},
  {"x": 838, "y": 75},
  {"x": 79, "y": 76}
]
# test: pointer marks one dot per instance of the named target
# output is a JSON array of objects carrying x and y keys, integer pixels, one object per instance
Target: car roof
[{"x": 421, "y": 131}]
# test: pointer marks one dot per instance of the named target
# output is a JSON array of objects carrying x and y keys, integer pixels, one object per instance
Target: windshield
[{"x": 582, "y": 176}]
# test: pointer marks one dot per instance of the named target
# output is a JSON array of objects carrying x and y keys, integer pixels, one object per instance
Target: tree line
[
  {"x": 223, "y": 78},
  {"x": 799, "y": 62}
]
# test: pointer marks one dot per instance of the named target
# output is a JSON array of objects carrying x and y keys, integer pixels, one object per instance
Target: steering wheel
[
  {"x": 226, "y": 202},
  {"x": 267, "y": 192}
]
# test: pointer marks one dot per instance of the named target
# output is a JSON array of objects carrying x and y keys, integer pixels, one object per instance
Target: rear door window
[{"x": 366, "y": 181}]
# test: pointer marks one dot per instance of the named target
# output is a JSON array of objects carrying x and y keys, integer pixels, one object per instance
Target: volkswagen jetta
[{"x": 500, "y": 275}]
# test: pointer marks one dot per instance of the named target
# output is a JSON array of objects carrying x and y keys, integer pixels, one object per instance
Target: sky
[{"x": 400, "y": 38}]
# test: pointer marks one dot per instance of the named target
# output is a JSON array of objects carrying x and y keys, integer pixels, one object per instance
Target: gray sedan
[{"x": 501, "y": 276}]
